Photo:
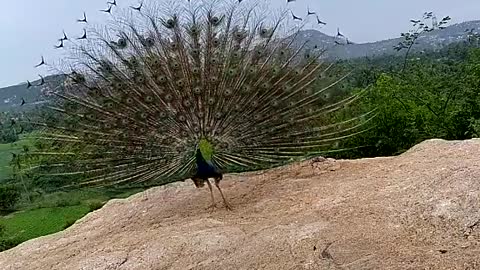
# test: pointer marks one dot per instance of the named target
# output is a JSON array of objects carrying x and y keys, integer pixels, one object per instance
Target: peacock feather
[{"x": 194, "y": 90}]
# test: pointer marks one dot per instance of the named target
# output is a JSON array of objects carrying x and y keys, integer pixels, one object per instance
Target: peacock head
[{"x": 204, "y": 150}]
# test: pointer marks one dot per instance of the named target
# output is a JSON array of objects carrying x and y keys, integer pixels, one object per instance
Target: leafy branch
[{"x": 427, "y": 24}]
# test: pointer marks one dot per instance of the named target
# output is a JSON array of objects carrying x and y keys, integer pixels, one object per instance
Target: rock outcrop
[{"x": 419, "y": 210}]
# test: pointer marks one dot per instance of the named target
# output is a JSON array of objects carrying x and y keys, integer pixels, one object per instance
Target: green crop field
[{"x": 23, "y": 225}]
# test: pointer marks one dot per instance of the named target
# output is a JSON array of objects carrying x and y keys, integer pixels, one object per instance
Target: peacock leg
[
  {"x": 217, "y": 182},
  {"x": 211, "y": 194}
]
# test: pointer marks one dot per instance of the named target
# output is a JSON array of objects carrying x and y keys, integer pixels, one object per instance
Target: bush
[
  {"x": 9, "y": 196},
  {"x": 475, "y": 126},
  {"x": 94, "y": 204},
  {"x": 64, "y": 202},
  {"x": 8, "y": 243},
  {"x": 69, "y": 223},
  {"x": 57, "y": 199}
]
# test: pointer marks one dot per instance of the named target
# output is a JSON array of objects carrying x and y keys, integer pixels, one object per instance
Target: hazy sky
[{"x": 30, "y": 28}]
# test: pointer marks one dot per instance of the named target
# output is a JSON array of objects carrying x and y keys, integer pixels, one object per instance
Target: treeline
[{"x": 436, "y": 95}]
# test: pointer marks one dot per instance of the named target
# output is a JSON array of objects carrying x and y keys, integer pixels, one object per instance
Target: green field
[
  {"x": 24, "y": 225},
  {"x": 51, "y": 213}
]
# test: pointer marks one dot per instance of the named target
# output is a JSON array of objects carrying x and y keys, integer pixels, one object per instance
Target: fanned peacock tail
[{"x": 144, "y": 94}]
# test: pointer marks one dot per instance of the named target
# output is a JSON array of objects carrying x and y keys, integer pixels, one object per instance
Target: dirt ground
[{"x": 420, "y": 210}]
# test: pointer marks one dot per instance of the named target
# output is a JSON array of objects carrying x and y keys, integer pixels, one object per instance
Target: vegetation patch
[{"x": 24, "y": 225}]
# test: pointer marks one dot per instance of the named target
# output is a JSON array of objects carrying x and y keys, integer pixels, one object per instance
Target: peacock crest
[{"x": 144, "y": 95}]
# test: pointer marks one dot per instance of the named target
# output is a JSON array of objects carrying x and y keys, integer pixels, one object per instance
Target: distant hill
[
  {"x": 11, "y": 97},
  {"x": 433, "y": 40}
]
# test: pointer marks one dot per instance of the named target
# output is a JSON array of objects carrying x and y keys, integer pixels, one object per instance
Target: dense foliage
[
  {"x": 9, "y": 195},
  {"x": 436, "y": 96},
  {"x": 9, "y": 131}
]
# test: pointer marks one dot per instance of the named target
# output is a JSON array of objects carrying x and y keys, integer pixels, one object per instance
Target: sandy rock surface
[{"x": 420, "y": 210}]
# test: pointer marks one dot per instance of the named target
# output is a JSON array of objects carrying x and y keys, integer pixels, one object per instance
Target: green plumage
[{"x": 144, "y": 95}]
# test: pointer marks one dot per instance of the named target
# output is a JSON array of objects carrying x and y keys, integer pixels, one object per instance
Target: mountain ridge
[{"x": 435, "y": 40}]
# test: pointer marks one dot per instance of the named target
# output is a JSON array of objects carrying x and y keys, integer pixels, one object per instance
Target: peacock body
[{"x": 191, "y": 91}]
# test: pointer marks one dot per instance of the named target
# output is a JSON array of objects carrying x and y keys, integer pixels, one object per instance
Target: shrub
[
  {"x": 9, "y": 196},
  {"x": 69, "y": 223},
  {"x": 57, "y": 199},
  {"x": 8, "y": 243},
  {"x": 475, "y": 126},
  {"x": 94, "y": 204}
]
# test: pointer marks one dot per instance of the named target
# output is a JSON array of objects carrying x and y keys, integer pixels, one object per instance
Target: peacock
[{"x": 191, "y": 90}]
